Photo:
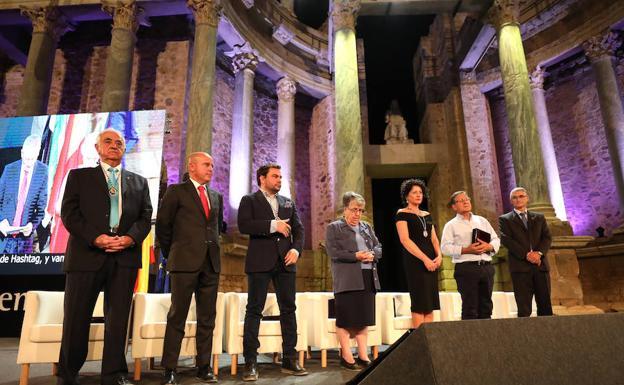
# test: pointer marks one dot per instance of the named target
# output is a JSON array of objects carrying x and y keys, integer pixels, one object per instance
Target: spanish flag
[{"x": 147, "y": 258}]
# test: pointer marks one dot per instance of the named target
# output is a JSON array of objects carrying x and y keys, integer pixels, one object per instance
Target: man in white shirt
[{"x": 474, "y": 272}]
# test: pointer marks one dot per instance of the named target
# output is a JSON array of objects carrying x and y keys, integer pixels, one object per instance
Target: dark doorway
[{"x": 386, "y": 202}]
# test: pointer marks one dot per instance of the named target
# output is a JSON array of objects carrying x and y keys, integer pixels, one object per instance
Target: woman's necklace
[{"x": 422, "y": 221}]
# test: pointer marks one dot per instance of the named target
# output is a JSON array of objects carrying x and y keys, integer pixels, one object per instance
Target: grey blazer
[{"x": 341, "y": 248}]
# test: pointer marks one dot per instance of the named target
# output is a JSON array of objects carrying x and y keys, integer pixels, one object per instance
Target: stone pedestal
[
  {"x": 48, "y": 25},
  {"x": 116, "y": 95},
  {"x": 566, "y": 288},
  {"x": 349, "y": 166},
  {"x": 524, "y": 136},
  {"x": 241, "y": 150},
  {"x": 286, "y": 90},
  {"x": 199, "y": 128},
  {"x": 600, "y": 51}
]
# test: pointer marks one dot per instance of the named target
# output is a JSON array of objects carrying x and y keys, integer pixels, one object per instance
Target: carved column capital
[
  {"x": 344, "y": 14},
  {"x": 124, "y": 14},
  {"x": 47, "y": 20},
  {"x": 244, "y": 60},
  {"x": 600, "y": 46},
  {"x": 286, "y": 89},
  {"x": 504, "y": 12},
  {"x": 468, "y": 77},
  {"x": 206, "y": 11},
  {"x": 536, "y": 78}
]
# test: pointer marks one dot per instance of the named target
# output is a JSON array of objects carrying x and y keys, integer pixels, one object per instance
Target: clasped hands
[
  {"x": 534, "y": 257},
  {"x": 366, "y": 256},
  {"x": 432, "y": 265},
  {"x": 113, "y": 244}
]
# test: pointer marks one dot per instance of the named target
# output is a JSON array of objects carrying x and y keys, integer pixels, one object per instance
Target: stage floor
[{"x": 40, "y": 374}]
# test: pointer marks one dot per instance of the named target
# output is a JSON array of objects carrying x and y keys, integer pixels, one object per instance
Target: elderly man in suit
[
  {"x": 525, "y": 234},
  {"x": 188, "y": 225},
  {"x": 276, "y": 240},
  {"x": 23, "y": 198},
  {"x": 107, "y": 211}
]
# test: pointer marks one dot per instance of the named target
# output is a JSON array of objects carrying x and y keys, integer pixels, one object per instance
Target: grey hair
[
  {"x": 110, "y": 129},
  {"x": 32, "y": 141},
  {"x": 352, "y": 196},
  {"x": 517, "y": 189}
]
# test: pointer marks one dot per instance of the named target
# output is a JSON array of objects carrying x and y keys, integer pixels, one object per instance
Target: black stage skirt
[{"x": 356, "y": 309}]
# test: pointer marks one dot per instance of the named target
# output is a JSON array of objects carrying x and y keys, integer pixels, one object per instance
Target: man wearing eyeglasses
[
  {"x": 527, "y": 237},
  {"x": 474, "y": 272}
]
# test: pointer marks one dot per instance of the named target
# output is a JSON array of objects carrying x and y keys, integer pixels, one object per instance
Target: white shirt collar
[
  {"x": 105, "y": 166},
  {"x": 461, "y": 217},
  {"x": 268, "y": 194},
  {"x": 197, "y": 184},
  {"x": 521, "y": 212}
]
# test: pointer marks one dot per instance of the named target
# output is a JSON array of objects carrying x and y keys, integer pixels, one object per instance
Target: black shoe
[
  {"x": 362, "y": 363},
  {"x": 205, "y": 374},
  {"x": 170, "y": 377},
  {"x": 122, "y": 380},
  {"x": 349, "y": 366},
  {"x": 251, "y": 371},
  {"x": 291, "y": 366}
]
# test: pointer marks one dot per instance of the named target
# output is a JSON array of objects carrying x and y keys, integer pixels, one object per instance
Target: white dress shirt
[
  {"x": 457, "y": 234},
  {"x": 197, "y": 184},
  {"x": 272, "y": 199}
]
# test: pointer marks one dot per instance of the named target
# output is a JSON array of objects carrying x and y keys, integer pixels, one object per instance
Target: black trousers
[
  {"x": 475, "y": 283},
  {"x": 285, "y": 290},
  {"x": 81, "y": 292},
  {"x": 205, "y": 285},
  {"x": 534, "y": 282}
]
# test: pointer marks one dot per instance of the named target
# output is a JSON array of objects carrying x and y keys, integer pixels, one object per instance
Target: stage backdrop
[{"x": 36, "y": 154}]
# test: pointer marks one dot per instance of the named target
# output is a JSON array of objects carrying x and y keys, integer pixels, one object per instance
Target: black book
[{"x": 478, "y": 234}]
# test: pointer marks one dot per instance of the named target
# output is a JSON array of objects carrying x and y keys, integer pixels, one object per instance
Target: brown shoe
[{"x": 251, "y": 371}]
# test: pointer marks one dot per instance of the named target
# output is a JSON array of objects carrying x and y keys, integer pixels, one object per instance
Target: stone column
[
  {"x": 523, "y": 133},
  {"x": 48, "y": 26},
  {"x": 199, "y": 127},
  {"x": 546, "y": 141},
  {"x": 118, "y": 77},
  {"x": 286, "y": 90},
  {"x": 241, "y": 150},
  {"x": 600, "y": 50},
  {"x": 349, "y": 166}
]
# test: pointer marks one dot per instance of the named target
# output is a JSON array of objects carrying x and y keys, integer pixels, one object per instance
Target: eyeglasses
[
  {"x": 356, "y": 210},
  {"x": 519, "y": 196},
  {"x": 462, "y": 200}
]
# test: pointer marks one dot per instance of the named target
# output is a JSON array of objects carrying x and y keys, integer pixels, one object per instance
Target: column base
[{"x": 556, "y": 226}]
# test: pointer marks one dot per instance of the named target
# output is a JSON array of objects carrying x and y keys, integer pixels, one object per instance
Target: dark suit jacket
[
  {"x": 85, "y": 211},
  {"x": 341, "y": 248},
  {"x": 519, "y": 240},
  {"x": 254, "y": 218},
  {"x": 186, "y": 237},
  {"x": 36, "y": 200}
]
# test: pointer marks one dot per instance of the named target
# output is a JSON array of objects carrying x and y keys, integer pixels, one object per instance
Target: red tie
[{"x": 204, "y": 200}]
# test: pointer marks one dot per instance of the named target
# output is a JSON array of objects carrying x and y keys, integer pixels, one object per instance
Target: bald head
[{"x": 200, "y": 167}]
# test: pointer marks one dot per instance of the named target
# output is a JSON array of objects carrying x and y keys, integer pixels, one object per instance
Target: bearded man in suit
[{"x": 275, "y": 243}]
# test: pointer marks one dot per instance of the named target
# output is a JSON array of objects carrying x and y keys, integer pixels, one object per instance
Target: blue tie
[{"x": 113, "y": 191}]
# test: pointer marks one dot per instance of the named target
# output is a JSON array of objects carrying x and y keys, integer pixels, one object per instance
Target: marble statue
[{"x": 396, "y": 131}]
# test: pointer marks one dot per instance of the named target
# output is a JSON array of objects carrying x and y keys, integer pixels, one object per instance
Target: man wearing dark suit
[
  {"x": 275, "y": 243},
  {"x": 107, "y": 211},
  {"x": 188, "y": 225},
  {"x": 526, "y": 236},
  {"x": 23, "y": 198}
]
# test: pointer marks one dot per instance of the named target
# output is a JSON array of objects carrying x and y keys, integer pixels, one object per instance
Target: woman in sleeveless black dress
[{"x": 421, "y": 252}]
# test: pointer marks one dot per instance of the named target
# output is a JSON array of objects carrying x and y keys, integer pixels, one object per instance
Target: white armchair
[
  {"x": 269, "y": 334},
  {"x": 42, "y": 329},
  {"x": 322, "y": 329},
  {"x": 396, "y": 315},
  {"x": 450, "y": 306},
  {"x": 150, "y": 322}
]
